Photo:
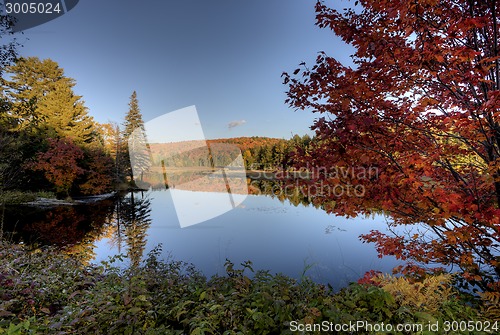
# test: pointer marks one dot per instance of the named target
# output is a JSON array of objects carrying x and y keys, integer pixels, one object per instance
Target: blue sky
[{"x": 223, "y": 56}]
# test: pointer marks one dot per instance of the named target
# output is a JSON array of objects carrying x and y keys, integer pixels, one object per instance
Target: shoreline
[{"x": 49, "y": 202}]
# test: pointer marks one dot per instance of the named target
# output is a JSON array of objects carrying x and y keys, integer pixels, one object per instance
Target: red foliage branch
[{"x": 422, "y": 106}]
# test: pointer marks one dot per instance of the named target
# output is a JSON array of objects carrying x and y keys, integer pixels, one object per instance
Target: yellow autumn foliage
[
  {"x": 428, "y": 294},
  {"x": 491, "y": 305}
]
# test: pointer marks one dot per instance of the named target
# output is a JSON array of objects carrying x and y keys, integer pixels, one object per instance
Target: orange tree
[{"x": 421, "y": 105}]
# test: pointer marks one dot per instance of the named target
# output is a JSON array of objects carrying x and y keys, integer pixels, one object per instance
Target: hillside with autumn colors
[
  {"x": 187, "y": 164},
  {"x": 257, "y": 152},
  {"x": 248, "y": 143}
]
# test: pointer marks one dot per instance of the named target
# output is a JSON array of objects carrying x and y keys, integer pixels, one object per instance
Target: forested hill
[
  {"x": 247, "y": 143},
  {"x": 257, "y": 152}
]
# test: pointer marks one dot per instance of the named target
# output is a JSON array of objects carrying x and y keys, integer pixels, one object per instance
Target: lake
[{"x": 280, "y": 235}]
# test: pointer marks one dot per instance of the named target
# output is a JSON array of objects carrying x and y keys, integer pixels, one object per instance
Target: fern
[
  {"x": 491, "y": 305},
  {"x": 429, "y": 294}
]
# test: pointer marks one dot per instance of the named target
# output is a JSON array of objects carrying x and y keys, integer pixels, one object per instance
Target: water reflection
[
  {"x": 285, "y": 236},
  {"x": 73, "y": 229},
  {"x": 132, "y": 221},
  {"x": 287, "y": 191}
]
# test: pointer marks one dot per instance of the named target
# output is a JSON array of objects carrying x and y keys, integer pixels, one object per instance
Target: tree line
[
  {"x": 258, "y": 153},
  {"x": 48, "y": 141},
  {"x": 275, "y": 156}
]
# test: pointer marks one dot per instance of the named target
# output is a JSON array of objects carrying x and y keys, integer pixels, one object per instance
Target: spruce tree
[
  {"x": 135, "y": 141},
  {"x": 133, "y": 119}
]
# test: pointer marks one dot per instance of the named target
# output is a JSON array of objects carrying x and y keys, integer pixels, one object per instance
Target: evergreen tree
[
  {"x": 133, "y": 119},
  {"x": 42, "y": 99},
  {"x": 135, "y": 141},
  {"x": 266, "y": 157},
  {"x": 255, "y": 153},
  {"x": 279, "y": 155}
]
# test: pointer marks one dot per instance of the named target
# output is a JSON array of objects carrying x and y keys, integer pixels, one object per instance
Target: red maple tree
[
  {"x": 421, "y": 104},
  {"x": 60, "y": 164}
]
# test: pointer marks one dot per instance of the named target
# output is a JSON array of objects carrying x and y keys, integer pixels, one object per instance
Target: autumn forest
[{"x": 411, "y": 128}]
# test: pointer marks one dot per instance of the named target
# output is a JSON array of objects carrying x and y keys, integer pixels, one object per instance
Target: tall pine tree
[
  {"x": 42, "y": 98},
  {"x": 133, "y": 119},
  {"x": 135, "y": 139}
]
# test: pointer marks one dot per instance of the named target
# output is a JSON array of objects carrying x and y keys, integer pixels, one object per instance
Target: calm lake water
[{"x": 273, "y": 234}]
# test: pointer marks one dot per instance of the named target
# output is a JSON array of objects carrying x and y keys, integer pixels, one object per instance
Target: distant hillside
[
  {"x": 244, "y": 143},
  {"x": 248, "y": 143},
  {"x": 223, "y": 151},
  {"x": 187, "y": 161},
  {"x": 257, "y": 152}
]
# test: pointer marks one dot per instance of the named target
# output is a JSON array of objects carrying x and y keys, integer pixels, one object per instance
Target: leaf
[
  {"x": 428, "y": 318},
  {"x": 126, "y": 299},
  {"x": 198, "y": 331},
  {"x": 142, "y": 297},
  {"x": 72, "y": 295},
  {"x": 134, "y": 310}
]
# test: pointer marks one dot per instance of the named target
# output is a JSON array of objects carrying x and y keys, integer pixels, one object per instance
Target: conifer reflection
[{"x": 132, "y": 215}]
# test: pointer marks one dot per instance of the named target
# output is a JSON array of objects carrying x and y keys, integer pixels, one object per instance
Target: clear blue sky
[{"x": 224, "y": 56}]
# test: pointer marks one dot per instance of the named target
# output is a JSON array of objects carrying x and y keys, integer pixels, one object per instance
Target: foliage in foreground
[{"x": 45, "y": 292}]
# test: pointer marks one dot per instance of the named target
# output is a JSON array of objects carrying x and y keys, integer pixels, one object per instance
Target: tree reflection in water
[
  {"x": 72, "y": 229},
  {"x": 124, "y": 221},
  {"x": 75, "y": 230},
  {"x": 131, "y": 222}
]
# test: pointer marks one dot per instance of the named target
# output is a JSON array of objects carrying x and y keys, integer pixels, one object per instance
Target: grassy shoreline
[{"x": 22, "y": 197}]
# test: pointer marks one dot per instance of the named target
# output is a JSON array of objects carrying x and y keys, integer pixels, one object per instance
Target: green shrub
[{"x": 44, "y": 292}]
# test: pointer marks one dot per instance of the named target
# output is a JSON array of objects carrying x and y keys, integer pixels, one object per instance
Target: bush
[{"x": 44, "y": 292}]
